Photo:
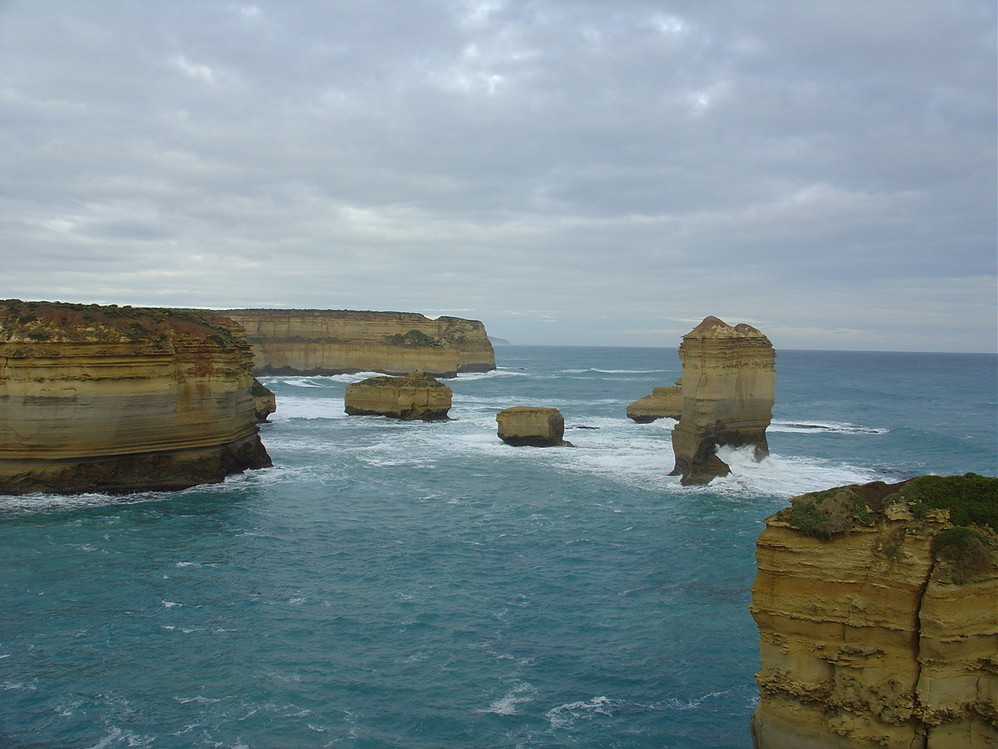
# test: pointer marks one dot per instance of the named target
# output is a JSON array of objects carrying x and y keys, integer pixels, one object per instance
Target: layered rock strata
[
  {"x": 532, "y": 426},
  {"x": 264, "y": 401},
  {"x": 728, "y": 388},
  {"x": 662, "y": 403},
  {"x": 417, "y": 396},
  {"x": 115, "y": 399},
  {"x": 326, "y": 342},
  {"x": 877, "y": 608}
]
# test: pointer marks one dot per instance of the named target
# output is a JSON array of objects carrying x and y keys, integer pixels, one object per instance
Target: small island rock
[
  {"x": 415, "y": 397},
  {"x": 663, "y": 403},
  {"x": 264, "y": 401},
  {"x": 532, "y": 426}
]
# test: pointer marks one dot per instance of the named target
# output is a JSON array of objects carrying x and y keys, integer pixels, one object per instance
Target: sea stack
[
  {"x": 728, "y": 388},
  {"x": 415, "y": 397},
  {"x": 662, "y": 403},
  {"x": 877, "y": 608},
  {"x": 329, "y": 342},
  {"x": 120, "y": 399},
  {"x": 532, "y": 426}
]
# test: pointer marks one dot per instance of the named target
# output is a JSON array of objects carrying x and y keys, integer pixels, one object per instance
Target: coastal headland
[
  {"x": 877, "y": 608},
  {"x": 328, "y": 342},
  {"x": 119, "y": 399}
]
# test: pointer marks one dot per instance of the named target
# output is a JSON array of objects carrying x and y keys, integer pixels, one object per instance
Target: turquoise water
[{"x": 423, "y": 585}]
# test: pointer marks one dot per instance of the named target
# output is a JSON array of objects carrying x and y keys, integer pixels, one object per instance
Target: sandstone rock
[
  {"x": 880, "y": 628},
  {"x": 326, "y": 342},
  {"x": 264, "y": 401},
  {"x": 533, "y": 426},
  {"x": 417, "y": 396},
  {"x": 114, "y": 399},
  {"x": 728, "y": 388},
  {"x": 663, "y": 403}
]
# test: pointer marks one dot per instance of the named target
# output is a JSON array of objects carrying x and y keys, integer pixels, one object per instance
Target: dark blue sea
[{"x": 417, "y": 585}]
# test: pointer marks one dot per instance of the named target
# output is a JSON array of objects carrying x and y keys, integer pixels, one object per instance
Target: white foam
[
  {"x": 508, "y": 703},
  {"x": 826, "y": 427},
  {"x": 565, "y": 715}
]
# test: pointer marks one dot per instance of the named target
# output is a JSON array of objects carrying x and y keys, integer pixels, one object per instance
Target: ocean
[{"x": 393, "y": 584}]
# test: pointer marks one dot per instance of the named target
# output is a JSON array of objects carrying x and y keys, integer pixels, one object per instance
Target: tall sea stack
[
  {"x": 115, "y": 399},
  {"x": 728, "y": 386}
]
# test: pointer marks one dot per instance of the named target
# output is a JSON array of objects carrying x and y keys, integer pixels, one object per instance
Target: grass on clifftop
[{"x": 972, "y": 500}]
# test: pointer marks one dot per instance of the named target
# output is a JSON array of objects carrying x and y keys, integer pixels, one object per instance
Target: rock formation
[
  {"x": 115, "y": 399},
  {"x": 264, "y": 400},
  {"x": 533, "y": 426},
  {"x": 417, "y": 396},
  {"x": 324, "y": 342},
  {"x": 728, "y": 387},
  {"x": 663, "y": 403},
  {"x": 877, "y": 608}
]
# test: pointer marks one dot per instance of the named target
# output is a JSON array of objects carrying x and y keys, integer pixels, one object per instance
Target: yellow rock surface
[
  {"x": 119, "y": 399},
  {"x": 663, "y": 403},
  {"x": 344, "y": 341},
  {"x": 416, "y": 396},
  {"x": 869, "y": 637},
  {"x": 728, "y": 387},
  {"x": 532, "y": 426}
]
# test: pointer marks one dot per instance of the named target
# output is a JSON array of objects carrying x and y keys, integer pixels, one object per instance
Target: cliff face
[
  {"x": 343, "y": 341},
  {"x": 877, "y": 609},
  {"x": 118, "y": 399},
  {"x": 728, "y": 388},
  {"x": 417, "y": 396}
]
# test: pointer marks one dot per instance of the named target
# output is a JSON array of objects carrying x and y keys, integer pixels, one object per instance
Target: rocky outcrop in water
[
  {"x": 325, "y": 342},
  {"x": 264, "y": 401},
  {"x": 115, "y": 399},
  {"x": 532, "y": 426},
  {"x": 663, "y": 403},
  {"x": 417, "y": 396},
  {"x": 877, "y": 608},
  {"x": 728, "y": 387}
]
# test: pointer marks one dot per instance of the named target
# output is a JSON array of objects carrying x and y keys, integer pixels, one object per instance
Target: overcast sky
[{"x": 567, "y": 171}]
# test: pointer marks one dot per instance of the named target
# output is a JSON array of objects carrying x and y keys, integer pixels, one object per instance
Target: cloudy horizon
[{"x": 566, "y": 171}]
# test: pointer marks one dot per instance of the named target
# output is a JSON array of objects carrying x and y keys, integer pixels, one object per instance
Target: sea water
[{"x": 392, "y": 584}]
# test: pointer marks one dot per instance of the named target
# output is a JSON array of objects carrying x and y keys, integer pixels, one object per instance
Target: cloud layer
[{"x": 568, "y": 172}]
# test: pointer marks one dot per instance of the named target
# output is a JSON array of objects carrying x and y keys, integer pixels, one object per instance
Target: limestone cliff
[
  {"x": 877, "y": 608},
  {"x": 344, "y": 341},
  {"x": 728, "y": 387},
  {"x": 116, "y": 399},
  {"x": 417, "y": 396},
  {"x": 662, "y": 403}
]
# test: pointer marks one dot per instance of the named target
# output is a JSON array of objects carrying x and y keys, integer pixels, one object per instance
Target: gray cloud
[{"x": 568, "y": 172}]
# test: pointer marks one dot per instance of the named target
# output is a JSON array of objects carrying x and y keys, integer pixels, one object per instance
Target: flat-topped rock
[
  {"x": 728, "y": 388},
  {"x": 328, "y": 342},
  {"x": 415, "y": 397},
  {"x": 662, "y": 403},
  {"x": 532, "y": 426},
  {"x": 119, "y": 399}
]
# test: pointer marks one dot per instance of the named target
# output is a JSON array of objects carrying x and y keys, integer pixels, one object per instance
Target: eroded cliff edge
[
  {"x": 329, "y": 342},
  {"x": 877, "y": 608},
  {"x": 119, "y": 399},
  {"x": 728, "y": 387}
]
